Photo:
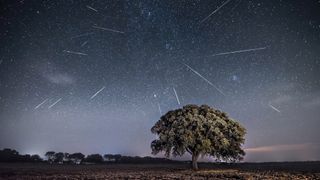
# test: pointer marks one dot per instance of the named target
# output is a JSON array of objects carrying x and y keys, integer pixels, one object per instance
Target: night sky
[{"x": 94, "y": 76}]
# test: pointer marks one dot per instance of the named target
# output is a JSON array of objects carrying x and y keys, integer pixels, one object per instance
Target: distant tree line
[
  {"x": 51, "y": 157},
  {"x": 10, "y": 155}
]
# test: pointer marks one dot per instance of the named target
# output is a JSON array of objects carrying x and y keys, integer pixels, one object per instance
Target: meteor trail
[
  {"x": 274, "y": 108},
  {"x": 84, "y": 43},
  {"x": 73, "y": 52},
  {"x": 197, "y": 73},
  {"x": 239, "y": 51},
  {"x": 107, "y": 29},
  {"x": 54, "y": 103},
  {"x": 93, "y": 96},
  {"x": 175, "y": 93},
  {"x": 93, "y": 9},
  {"x": 203, "y": 20},
  {"x": 160, "y": 111},
  {"x": 41, "y": 104},
  {"x": 81, "y": 35}
]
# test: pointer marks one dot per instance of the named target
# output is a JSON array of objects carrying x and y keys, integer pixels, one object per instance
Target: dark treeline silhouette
[
  {"x": 117, "y": 158},
  {"x": 10, "y": 155},
  {"x": 52, "y": 157}
]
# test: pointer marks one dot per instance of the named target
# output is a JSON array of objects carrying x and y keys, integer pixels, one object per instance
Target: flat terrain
[{"x": 300, "y": 170}]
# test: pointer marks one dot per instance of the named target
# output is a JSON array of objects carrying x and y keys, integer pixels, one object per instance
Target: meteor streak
[
  {"x": 93, "y": 9},
  {"x": 82, "y": 35},
  {"x": 274, "y": 108},
  {"x": 93, "y": 96},
  {"x": 107, "y": 29},
  {"x": 197, "y": 73},
  {"x": 239, "y": 51},
  {"x": 175, "y": 93},
  {"x": 77, "y": 53},
  {"x": 160, "y": 111},
  {"x": 54, "y": 103},
  {"x": 41, "y": 104},
  {"x": 203, "y": 20}
]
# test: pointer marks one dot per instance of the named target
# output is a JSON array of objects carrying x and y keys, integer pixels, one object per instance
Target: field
[{"x": 299, "y": 170}]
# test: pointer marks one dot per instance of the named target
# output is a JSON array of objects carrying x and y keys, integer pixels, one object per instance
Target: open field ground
[{"x": 301, "y": 170}]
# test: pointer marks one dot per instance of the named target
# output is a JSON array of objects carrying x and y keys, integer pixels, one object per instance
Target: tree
[
  {"x": 66, "y": 157},
  {"x": 94, "y": 158},
  {"x": 112, "y": 157},
  {"x": 76, "y": 157},
  {"x": 199, "y": 130},
  {"x": 9, "y": 155},
  {"x": 35, "y": 158},
  {"x": 58, "y": 157},
  {"x": 50, "y": 156}
]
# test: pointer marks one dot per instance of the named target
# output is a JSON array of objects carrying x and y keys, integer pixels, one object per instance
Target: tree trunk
[{"x": 194, "y": 161}]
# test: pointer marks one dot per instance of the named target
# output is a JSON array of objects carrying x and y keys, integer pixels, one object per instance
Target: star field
[{"x": 94, "y": 76}]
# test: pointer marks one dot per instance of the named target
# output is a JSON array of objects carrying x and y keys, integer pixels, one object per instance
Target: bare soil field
[{"x": 299, "y": 170}]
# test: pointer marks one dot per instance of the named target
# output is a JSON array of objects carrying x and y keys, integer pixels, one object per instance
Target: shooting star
[
  {"x": 54, "y": 103},
  {"x": 235, "y": 6},
  {"x": 93, "y": 9},
  {"x": 159, "y": 107},
  {"x": 41, "y": 104},
  {"x": 274, "y": 108},
  {"x": 177, "y": 97},
  {"x": 73, "y": 52},
  {"x": 107, "y": 29},
  {"x": 197, "y": 73},
  {"x": 239, "y": 51},
  {"x": 81, "y": 35},
  {"x": 203, "y": 20},
  {"x": 93, "y": 96},
  {"x": 84, "y": 43}
]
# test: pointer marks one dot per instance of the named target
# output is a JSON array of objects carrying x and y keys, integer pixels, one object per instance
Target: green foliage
[{"x": 199, "y": 130}]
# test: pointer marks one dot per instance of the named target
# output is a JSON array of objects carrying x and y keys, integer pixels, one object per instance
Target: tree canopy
[
  {"x": 50, "y": 155},
  {"x": 94, "y": 158},
  {"x": 199, "y": 130},
  {"x": 76, "y": 157}
]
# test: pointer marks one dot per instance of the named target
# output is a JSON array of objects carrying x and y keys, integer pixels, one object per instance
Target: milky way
[{"x": 94, "y": 76}]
